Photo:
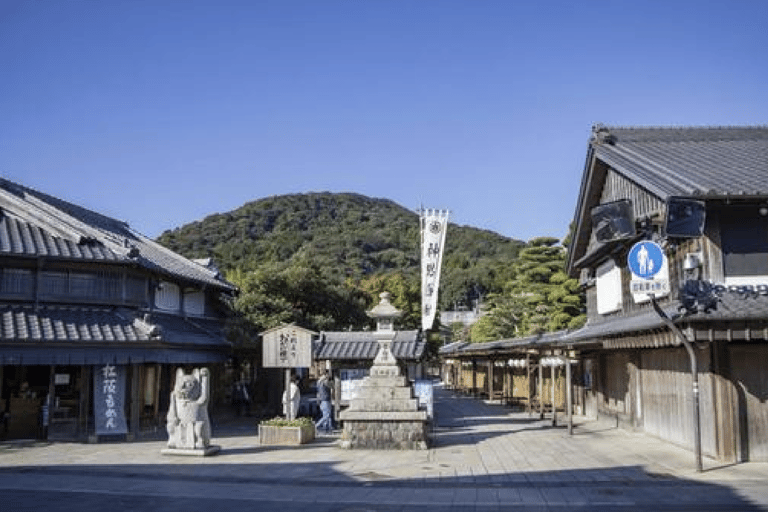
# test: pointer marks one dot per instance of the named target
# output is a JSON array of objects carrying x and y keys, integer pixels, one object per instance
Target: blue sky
[{"x": 163, "y": 112}]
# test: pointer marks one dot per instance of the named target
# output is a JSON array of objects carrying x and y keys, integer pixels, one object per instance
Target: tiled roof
[
  {"x": 82, "y": 324},
  {"x": 70, "y": 334},
  {"x": 407, "y": 345},
  {"x": 708, "y": 162},
  {"x": 732, "y": 309},
  {"x": 34, "y": 224},
  {"x": 25, "y": 323},
  {"x": 453, "y": 347},
  {"x": 543, "y": 340},
  {"x": 705, "y": 162}
]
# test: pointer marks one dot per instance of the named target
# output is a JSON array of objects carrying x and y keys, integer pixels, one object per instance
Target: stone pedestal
[
  {"x": 384, "y": 415},
  {"x": 211, "y": 449}
]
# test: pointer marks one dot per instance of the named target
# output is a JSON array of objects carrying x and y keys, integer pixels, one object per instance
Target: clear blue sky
[{"x": 163, "y": 112}]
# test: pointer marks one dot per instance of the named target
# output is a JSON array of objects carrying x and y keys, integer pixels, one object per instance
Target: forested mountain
[
  {"x": 320, "y": 260},
  {"x": 349, "y": 237}
]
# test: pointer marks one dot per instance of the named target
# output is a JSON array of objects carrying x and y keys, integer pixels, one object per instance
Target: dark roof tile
[
  {"x": 407, "y": 345},
  {"x": 35, "y": 224},
  {"x": 27, "y": 324},
  {"x": 705, "y": 162}
]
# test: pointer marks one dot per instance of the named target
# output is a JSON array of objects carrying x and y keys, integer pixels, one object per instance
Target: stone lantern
[
  {"x": 385, "y": 364},
  {"x": 384, "y": 414}
]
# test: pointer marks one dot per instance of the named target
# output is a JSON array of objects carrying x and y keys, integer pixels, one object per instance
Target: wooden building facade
[
  {"x": 701, "y": 194},
  {"x": 82, "y": 294}
]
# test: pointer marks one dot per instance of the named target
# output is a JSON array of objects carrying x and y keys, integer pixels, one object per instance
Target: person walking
[{"x": 325, "y": 423}]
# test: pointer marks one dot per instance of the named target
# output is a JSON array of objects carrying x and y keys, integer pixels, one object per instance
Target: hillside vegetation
[
  {"x": 321, "y": 259},
  {"x": 349, "y": 237}
]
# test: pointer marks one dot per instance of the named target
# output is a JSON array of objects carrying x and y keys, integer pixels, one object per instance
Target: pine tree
[{"x": 540, "y": 297}]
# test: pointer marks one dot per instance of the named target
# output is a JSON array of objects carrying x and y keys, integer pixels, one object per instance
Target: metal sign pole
[{"x": 694, "y": 375}]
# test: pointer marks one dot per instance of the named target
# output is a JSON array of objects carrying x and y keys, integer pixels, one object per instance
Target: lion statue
[{"x": 187, "y": 421}]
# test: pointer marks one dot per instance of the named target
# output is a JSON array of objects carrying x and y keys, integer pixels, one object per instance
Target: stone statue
[{"x": 187, "y": 421}]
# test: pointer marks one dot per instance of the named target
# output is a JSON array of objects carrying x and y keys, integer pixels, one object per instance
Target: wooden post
[
  {"x": 133, "y": 432},
  {"x": 51, "y": 400},
  {"x": 506, "y": 384},
  {"x": 568, "y": 394},
  {"x": 490, "y": 379},
  {"x": 541, "y": 390},
  {"x": 287, "y": 395},
  {"x": 82, "y": 420},
  {"x": 528, "y": 383},
  {"x": 336, "y": 401},
  {"x": 552, "y": 393}
]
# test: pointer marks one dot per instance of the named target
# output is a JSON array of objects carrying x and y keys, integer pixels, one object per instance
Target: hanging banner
[
  {"x": 434, "y": 225},
  {"x": 109, "y": 399}
]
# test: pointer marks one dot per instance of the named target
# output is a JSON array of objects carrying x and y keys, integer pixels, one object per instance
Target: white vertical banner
[{"x": 434, "y": 225}]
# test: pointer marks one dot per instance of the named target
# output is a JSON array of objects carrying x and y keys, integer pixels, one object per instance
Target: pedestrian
[
  {"x": 325, "y": 422},
  {"x": 240, "y": 398},
  {"x": 291, "y": 400}
]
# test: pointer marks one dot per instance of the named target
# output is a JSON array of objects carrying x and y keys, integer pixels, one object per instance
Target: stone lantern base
[
  {"x": 385, "y": 431},
  {"x": 384, "y": 416}
]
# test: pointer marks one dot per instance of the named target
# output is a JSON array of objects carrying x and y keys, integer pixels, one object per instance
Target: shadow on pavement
[
  {"x": 314, "y": 485},
  {"x": 321, "y": 478}
]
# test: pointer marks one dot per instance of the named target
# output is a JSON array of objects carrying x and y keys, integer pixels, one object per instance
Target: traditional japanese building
[
  {"x": 95, "y": 320},
  {"x": 701, "y": 195},
  {"x": 694, "y": 330}
]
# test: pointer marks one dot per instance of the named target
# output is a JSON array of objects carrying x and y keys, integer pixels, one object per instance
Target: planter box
[{"x": 271, "y": 435}]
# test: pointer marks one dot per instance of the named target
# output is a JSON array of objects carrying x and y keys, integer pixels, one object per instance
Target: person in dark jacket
[{"x": 325, "y": 423}]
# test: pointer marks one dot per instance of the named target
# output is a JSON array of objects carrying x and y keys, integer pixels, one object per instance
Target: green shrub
[{"x": 282, "y": 422}]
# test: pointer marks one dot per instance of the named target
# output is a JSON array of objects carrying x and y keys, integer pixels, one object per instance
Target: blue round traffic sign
[{"x": 645, "y": 259}]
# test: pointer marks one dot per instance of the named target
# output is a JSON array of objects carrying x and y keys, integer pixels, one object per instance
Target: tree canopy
[{"x": 321, "y": 259}]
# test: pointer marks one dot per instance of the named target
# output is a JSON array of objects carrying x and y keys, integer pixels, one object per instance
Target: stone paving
[{"x": 483, "y": 457}]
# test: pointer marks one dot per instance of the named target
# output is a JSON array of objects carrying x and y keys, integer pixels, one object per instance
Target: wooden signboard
[{"x": 288, "y": 346}]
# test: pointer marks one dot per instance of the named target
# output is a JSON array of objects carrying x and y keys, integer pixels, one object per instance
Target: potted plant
[{"x": 286, "y": 432}]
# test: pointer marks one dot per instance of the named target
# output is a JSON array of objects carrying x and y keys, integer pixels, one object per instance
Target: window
[
  {"x": 194, "y": 303},
  {"x": 17, "y": 282},
  {"x": 86, "y": 286},
  {"x": 609, "y": 298},
  {"x": 168, "y": 296},
  {"x": 744, "y": 238},
  {"x": 136, "y": 289}
]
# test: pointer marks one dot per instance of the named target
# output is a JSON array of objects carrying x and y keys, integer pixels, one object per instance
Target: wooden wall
[
  {"x": 749, "y": 367},
  {"x": 667, "y": 398}
]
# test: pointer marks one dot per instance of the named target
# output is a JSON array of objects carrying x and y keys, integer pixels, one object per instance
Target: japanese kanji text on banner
[
  {"x": 108, "y": 399},
  {"x": 434, "y": 224}
]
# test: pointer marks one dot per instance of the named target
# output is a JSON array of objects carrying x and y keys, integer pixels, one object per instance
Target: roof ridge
[
  {"x": 680, "y": 133},
  {"x": 38, "y": 208}
]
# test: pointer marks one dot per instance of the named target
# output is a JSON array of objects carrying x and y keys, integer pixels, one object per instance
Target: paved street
[{"x": 484, "y": 457}]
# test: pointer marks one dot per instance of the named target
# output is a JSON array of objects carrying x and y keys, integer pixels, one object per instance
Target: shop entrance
[{"x": 24, "y": 389}]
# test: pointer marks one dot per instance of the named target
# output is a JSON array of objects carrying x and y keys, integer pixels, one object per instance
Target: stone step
[
  {"x": 408, "y": 405},
  {"x": 398, "y": 381}
]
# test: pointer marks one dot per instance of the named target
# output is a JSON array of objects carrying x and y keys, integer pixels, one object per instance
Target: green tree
[
  {"x": 297, "y": 293},
  {"x": 539, "y": 297},
  {"x": 405, "y": 288}
]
